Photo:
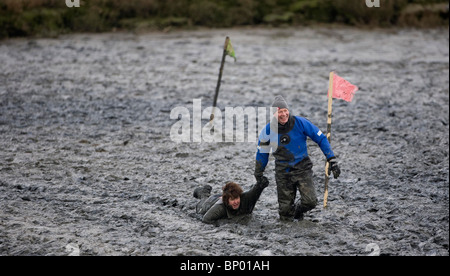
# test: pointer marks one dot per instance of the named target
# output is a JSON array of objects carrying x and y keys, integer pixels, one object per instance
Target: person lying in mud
[{"x": 233, "y": 202}]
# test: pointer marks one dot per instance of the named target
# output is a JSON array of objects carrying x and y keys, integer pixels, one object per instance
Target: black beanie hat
[{"x": 280, "y": 102}]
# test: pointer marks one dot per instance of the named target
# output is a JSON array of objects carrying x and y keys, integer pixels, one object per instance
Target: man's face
[
  {"x": 234, "y": 203},
  {"x": 282, "y": 115}
]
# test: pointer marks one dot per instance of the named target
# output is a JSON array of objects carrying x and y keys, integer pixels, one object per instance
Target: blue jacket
[{"x": 288, "y": 144}]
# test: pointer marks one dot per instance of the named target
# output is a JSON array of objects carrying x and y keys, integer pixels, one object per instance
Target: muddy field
[{"x": 88, "y": 166}]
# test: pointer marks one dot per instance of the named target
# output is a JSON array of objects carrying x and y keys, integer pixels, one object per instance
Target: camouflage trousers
[{"x": 298, "y": 178}]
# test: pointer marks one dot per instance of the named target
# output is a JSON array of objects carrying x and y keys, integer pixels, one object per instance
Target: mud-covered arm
[
  {"x": 216, "y": 212},
  {"x": 250, "y": 197}
]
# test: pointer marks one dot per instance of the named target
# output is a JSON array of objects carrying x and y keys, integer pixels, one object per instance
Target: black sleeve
[
  {"x": 216, "y": 212},
  {"x": 249, "y": 198}
]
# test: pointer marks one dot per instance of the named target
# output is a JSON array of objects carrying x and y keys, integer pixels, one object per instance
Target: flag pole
[
  {"x": 219, "y": 79},
  {"x": 327, "y": 164}
]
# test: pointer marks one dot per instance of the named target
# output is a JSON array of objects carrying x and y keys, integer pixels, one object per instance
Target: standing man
[{"x": 286, "y": 137}]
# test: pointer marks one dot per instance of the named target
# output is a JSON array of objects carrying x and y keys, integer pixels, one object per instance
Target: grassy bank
[{"x": 53, "y": 17}]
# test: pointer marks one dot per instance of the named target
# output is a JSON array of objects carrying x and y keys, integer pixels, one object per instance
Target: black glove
[
  {"x": 259, "y": 177},
  {"x": 263, "y": 182},
  {"x": 333, "y": 167},
  {"x": 259, "y": 173}
]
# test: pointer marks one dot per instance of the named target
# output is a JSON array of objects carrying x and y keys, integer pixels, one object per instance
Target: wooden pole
[
  {"x": 327, "y": 164},
  {"x": 220, "y": 78}
]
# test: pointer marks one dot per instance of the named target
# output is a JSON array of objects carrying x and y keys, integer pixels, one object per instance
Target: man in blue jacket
[{"x": 286, "y": 138}]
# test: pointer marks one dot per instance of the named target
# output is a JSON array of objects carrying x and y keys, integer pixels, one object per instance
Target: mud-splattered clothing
[
  {"x": 293, "y": 167},
  {"x": 300, "y": 177},
  {"x": 214, "y": 209},
  {"x": 289, "y": 147}
]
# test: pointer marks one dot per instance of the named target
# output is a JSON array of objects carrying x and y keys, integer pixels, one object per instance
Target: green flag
[{"x": 230, "y": 50}]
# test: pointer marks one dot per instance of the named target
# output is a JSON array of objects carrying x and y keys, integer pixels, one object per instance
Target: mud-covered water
[{"x": 86, "y": 158}]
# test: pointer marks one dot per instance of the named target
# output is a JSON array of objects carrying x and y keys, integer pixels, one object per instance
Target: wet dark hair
[{"x": 231, "y": 190}]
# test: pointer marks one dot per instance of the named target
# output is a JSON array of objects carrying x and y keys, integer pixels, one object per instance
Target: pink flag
[{"x": 343, "y": 89}]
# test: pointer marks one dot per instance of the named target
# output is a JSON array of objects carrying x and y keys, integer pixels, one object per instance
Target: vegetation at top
[{"x": 54, "y": 17}]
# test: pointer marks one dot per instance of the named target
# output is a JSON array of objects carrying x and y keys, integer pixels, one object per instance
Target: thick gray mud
[{"x": 86, "y": 157}]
